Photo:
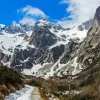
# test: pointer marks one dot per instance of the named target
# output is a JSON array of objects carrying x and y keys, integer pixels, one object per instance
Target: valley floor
[{"x": 27, "y": 93}]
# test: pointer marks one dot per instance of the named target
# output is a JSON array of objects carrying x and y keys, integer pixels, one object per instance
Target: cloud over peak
[
  {"x": 80, "y": 10},
  {"x": 29, "y": 10},
  {"x": 28, "y": 21},
  {"x": 30, "y": 14}
]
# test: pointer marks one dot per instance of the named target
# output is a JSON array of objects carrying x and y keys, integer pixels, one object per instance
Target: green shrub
[{"x": 9, "y": 76}]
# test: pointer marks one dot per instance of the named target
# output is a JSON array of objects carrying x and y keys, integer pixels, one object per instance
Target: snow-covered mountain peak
[
  {"x": 43, "y": 22},
  {"x": 13, "y": 35},
  {"x": 16, "y": 28},
  {"x": 45, "y": 42}
]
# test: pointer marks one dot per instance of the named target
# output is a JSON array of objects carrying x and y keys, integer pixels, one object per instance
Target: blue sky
[
  {"x": 67, "y": 13},
  {"x": 8, "y": 9}
]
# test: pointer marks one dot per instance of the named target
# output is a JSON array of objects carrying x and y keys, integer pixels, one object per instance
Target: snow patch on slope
[
  {"x": 33, "y": 70},
  {"x": 66, "y": 35},
  {"x": 8, "y": 42}
]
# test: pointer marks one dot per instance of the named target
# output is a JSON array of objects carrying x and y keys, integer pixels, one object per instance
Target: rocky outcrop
[
  {"x": 80, "y": 57},
  {"x": 42, "y": 37},
  {"x": 86, "y": 25},
  {"x": 70, "y": 52},
  {"x": 90, "y": 47},
  {"x": 97, "y": 15},
  {"x": 24, "y": 59},
  {"x": 4, "y": 58}
]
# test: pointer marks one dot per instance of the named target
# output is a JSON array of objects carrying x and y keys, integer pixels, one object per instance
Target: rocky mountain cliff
[
  {"x": 47, "y": 49},
  {"x": 86, "y": 56}
]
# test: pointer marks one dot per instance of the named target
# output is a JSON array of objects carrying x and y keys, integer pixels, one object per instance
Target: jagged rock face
[
  {"x": 86, "y": 25},
  {"x": 42, "y": 37},
  {"x": 20, "y": 28},
  {"x": 97, "y": 15},
  {"x": 80, "y": 56},
  {"x": 19, "y": 56},
  {"x": 57, "y": 52},
  {"x": 3, "y": 57},
  {"x": 89, "y": 51},
  {"x": 84, "y": 55},
  {"x": 35, "y": 56},
  {"x": 70, "y": 52}
]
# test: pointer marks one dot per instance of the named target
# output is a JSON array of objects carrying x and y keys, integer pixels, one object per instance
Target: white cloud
[
  {"x": 30, "y": 14},
  {"x": 28, "y": 21},
  {"x": 66, "y": 23},
  {"x": 33, "y": 11},
  {"x": 80, "y": 11},
  {"x": 15, "y": 23}
]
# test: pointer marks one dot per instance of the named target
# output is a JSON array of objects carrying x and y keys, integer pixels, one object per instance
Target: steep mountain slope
[
  {"x": 10, "y": 37},
  {"x": 48, "y": 45},
  {"x": 85, "y": 56},
  {"x": 44, "y": 49},
  {"x": 89, "y": 51}
]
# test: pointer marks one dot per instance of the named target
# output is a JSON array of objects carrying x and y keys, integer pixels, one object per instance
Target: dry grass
[
  {"x": 92, "y": 91},
  {"x": 43, "y": 97}
]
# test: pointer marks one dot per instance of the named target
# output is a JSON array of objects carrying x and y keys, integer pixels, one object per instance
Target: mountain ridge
[{"x": 41, "y": 45}]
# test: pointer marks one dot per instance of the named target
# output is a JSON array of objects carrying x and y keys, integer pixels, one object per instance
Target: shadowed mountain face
[
  {"x": 97, "y": 15},
  {"x": 89, "y": 52},
  {"x": 42, "y": 37}
]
